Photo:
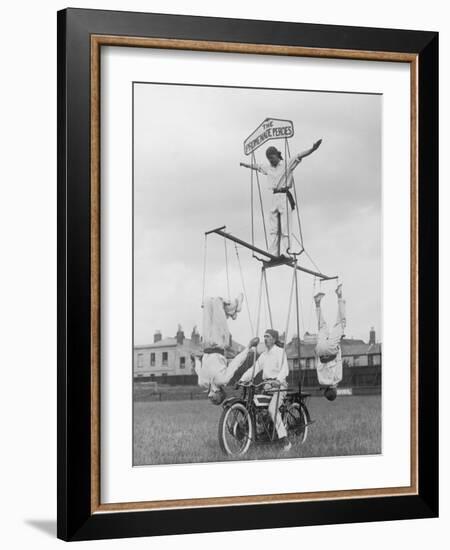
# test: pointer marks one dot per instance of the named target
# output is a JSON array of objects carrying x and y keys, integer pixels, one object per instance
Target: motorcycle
[{"x": 245, "y": 419}]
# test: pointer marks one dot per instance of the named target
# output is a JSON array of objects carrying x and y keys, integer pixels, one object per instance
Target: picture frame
[{"x": 81, "y": 36}]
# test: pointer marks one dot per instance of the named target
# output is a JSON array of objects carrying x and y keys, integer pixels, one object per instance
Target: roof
[
  {"x": 349, "y": 347},
  {"x": 172, "y": 342},
  {"x": 165, "y": 343}
]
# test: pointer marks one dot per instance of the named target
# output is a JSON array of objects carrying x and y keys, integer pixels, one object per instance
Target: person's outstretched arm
[
  {"x": 256, "y": 167},
  {"x": 294, "y": 162},
  {"x": 247, "y": 376},
  {"x": 239, "y": 360},
  {"x": 304, "y": 154}
]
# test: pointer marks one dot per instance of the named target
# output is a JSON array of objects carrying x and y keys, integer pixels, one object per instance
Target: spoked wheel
[
  {"x": 235, "y": 430},
  {"x": 296, "y": 421}
]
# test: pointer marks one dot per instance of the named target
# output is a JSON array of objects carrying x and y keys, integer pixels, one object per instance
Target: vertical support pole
[
  {"x": 297, "y": 207},
  {"x": 288, "y": 206},
  {"x": 260, "y": 202},
  {"x": 251, "y": 202},
  {"x": 298, "y": 332},
  {"x": 278, "y": 234},
  {"x": 258, "y": 316},
  {"x": 226, "y": 267},
  {"x": 204, "y": 270},
  {"x": 277, "y": 412},
  {"x": 289, "y": 316},
  {"x": 267, "y": 297}
]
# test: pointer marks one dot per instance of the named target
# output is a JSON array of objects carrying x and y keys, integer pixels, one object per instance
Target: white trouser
[
  {"x": 279, "y": 236},
  {"x": 328, "y": 340},
  {"x": 275, "y": 415},
  {"x": 328, "y": 343},
  {"x": 215, "y": 326}
]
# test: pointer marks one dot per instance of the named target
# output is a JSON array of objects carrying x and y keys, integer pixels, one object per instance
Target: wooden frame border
[
  {"x": 97, "y": 41},
  {"x": 81, "y": 34}
]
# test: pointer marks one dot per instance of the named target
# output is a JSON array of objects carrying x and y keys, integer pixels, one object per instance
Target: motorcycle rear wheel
[{"x": 296, "y": 422}]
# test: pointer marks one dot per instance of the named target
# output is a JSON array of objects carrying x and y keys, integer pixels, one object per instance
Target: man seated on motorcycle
[{"x": 274, "y": 366}]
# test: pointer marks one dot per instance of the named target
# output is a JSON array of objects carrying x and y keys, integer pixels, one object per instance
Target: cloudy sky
[{"x": 188, "y": 143}]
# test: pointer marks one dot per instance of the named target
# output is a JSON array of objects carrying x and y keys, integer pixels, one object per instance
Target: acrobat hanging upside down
[
  {"x": 213, "y": 369},
  {"x": 328, "y": 347}
]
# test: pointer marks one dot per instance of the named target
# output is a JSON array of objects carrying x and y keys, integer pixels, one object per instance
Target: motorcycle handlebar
[{"x": 251, "y": 384}]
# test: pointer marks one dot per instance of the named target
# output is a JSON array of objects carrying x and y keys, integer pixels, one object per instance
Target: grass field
[{"x": 175, "y": 432}]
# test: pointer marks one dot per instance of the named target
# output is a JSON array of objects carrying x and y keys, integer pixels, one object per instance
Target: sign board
[{"x": 270, "y": 128}]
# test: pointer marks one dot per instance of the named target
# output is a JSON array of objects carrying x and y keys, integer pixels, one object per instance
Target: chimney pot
[{"x": 180, "y": 336}]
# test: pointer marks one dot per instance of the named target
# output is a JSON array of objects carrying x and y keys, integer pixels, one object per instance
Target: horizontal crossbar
[{"x": 273, "y": 261}]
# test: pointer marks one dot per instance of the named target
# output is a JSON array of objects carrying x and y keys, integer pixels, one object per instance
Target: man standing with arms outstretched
[{"x": 279, "y": 182}]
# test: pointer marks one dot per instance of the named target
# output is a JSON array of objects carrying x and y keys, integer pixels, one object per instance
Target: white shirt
[
  {"x": 330, "y": 374},
  {"x": 273, "y": 363},
  {"x": 214, "y": 371},
  {"x": 275, "y": 175}
]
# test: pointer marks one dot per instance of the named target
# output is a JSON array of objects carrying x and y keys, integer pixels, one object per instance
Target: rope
[
  {"x": 257, "y": 320},
  {"x": 204, "y": 270},
  {"x": 289, "y": 318},
  {"x": 289, "y": 311},
  {"x": 296, "y": 201},
  {"x": 302, "y": 250},
  {"x": 267, "y": 298},
  {"x": 251, "y": 204},
  {"x": 312, "y": 261},
  {"x": 301, "y": 304},
  {"x": 245, "y": 290},
  {"x": 259, "y": 304},
  {"x": 311, "y": 302},
  {"x": 288, "y": 206},
  {"x": 261, "y": 202},
  {"x": 298, "y": 329},
  {"x": 226, "y": 267}
]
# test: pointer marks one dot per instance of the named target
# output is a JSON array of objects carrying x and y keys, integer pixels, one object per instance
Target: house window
[
  {"x": 370, "y": 360},
  {"x": 152, "y": 359},
  {"x": 140, "y": 360},
  {"x": 182, "y": 362},
  {"x": 164, "y": 358}
]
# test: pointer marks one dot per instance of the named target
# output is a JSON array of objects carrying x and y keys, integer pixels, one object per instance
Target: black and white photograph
[
  {"x": 221, "y": 240},
  {"x": 257, "y": 274}
]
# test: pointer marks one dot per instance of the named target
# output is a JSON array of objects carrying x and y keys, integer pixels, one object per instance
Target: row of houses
[{"x": 169, "y": 359}]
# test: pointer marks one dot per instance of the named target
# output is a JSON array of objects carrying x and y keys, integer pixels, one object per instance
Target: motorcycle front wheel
[{"x": 235, "y": 430}]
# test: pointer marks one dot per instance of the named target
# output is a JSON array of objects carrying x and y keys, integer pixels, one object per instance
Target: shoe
[
  {"x": 318, "y": 297},
  {"x": 339, "y": 290},
  {"x": 287, "y": 445}
]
